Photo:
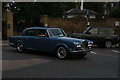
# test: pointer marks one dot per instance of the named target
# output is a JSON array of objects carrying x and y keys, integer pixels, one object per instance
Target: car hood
[{"x": 73, "y": 39}]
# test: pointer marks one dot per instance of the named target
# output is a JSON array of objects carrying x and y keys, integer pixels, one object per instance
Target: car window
[
  {"x": 37, "y": 32},
  {"x": 42, "y": 33},
  {"x": 56, "y": 33},
  {"x": 106, "y": 31},
  {"x": 32, "y": 32},
  {"x": 93, "y": 31}
]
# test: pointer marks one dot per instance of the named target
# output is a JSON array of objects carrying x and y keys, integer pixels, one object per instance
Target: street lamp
[
  {"x": 82, "y": 1},
  {"x": 46, "y": 25},
  {"x": 7, "y": 7},
  {"x": 13, "y": 2},
  {"x": 87, "y": 18},
  {"x": 117, "y": 23}
]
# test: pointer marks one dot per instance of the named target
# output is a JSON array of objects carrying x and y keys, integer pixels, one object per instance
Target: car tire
[
  {"x": 20, "y": 47},
  {"x": 108, "y": 44},
  {"x": 62, "y": 52}
]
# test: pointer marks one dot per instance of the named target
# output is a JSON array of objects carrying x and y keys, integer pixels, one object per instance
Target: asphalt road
[{"x": 101, "y": 63}]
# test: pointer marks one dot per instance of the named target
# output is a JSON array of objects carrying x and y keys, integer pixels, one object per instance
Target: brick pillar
[{"x": 8, "y": 18}]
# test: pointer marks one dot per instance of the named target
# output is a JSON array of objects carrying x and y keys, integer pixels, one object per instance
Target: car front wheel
[
  {"x": 20, "y": 47},
  {"x": 108, "y": 44},
  {"x": 61, "y": 52}
]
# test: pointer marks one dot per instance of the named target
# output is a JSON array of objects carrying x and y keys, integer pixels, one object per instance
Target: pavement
[
  {"x": 4, "y": 42},
  {"x": 100, "y": 63}
]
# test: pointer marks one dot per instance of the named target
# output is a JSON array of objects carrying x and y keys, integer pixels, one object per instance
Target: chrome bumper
[
  {"x": 81, "y": 51},
  {"x": 12, "y": 44}
]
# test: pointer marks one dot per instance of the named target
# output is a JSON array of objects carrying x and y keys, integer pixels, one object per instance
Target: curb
[{"x": 4, "y": 42}]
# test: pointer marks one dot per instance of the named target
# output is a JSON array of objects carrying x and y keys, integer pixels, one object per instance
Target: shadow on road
[
  {"x": 52, "y": 55},
  {"x": 11, "y": 53}
]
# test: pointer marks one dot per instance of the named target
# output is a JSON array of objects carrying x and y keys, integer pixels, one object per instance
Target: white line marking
[
  {"x": 115, "y": 51},
  {"x": 93, "y": 52},
  {"x": 102, "y": 54}
]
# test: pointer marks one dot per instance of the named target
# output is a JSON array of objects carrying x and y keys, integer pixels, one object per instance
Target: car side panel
[
  {"x": 49, "y": 44},
  {"x": 44, "y": 44}
]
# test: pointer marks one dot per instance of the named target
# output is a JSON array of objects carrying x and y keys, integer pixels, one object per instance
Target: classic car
[
  {"x": 101, "y": 36},
  {"x": 52, "y": 40}
]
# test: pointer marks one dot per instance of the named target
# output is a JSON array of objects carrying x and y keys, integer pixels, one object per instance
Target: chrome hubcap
[
  {"x": 61, "y": 52},
  {"x": 20, "y": 47},
  {"x": 108, "y": 44}
]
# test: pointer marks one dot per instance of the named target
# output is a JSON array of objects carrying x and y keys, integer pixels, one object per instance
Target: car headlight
[
  {"x": 90, "y": 44},
  {"x": 77, "y": 44}
]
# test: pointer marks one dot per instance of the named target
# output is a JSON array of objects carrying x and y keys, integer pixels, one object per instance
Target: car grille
[{"x": 84, "y": 44}]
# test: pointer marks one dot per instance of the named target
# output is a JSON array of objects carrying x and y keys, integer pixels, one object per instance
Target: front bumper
[
  {"x": 81, "y": 51},
  {"x": 12, "y": 44}
]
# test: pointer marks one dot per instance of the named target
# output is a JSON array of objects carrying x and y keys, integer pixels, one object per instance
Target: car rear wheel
[
  {"x": 20, "y": 47},
  {"x": 108, "y": 44},
  {"x": 61, "y": 52}
]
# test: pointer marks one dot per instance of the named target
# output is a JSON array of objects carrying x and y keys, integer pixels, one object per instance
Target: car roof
[
  {"x": 103, "y": 27},
  {"x": 41, "y": 28}
]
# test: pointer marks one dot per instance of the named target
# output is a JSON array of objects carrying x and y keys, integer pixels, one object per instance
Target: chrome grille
[{"x": 84, "y": 44}]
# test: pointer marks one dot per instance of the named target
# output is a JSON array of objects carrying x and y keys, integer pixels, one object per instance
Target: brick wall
[
  {"x": 78, "y": 25},
  {"x": 69, "y": 25},
  {"x": 105, "y": 22}
]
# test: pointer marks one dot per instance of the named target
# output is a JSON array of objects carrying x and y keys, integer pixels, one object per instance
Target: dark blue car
[{"x": 52, "y": 40}]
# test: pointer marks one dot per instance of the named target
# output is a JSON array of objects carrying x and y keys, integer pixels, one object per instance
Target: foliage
[
  {"x": 95, "y": 6},
  {"x": 115, "y": 13},
  {"x": 28, "y": 14}
]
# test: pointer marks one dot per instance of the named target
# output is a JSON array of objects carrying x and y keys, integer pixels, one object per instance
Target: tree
[
  {"x": 28, "y": 13},
  {"x": 115, "y": 13},
  {"x": 95, "y": 6}
]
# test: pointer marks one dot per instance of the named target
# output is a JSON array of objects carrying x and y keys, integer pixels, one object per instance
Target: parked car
[
  {"x": 102, "y": 36},
  {"x": 52, "y": 40}
]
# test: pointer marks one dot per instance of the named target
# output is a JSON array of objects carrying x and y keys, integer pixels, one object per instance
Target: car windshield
[{"x": 56, "y": 33}]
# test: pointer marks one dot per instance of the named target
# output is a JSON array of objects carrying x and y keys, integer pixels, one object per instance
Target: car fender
[
  {"x": 61, "y": 44},
  {"x": 108, "y": 38},
  {"x": 19, "y": 41}
]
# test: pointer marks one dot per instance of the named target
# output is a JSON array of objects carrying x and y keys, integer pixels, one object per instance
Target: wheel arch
[
  {"x": 20, "y": 41},
  {"x": 109, "y": 39},
  {"x": 61, "y": 45},
  {"x": 66, "y": 49}
]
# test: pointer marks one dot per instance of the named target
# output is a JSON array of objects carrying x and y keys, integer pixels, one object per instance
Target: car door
[
  {"x": 91, "y": 34},
  {"x": 104, "y": 34},
  {"x": 43, "y": 43},
  {"x": 29, "y": 39}
]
